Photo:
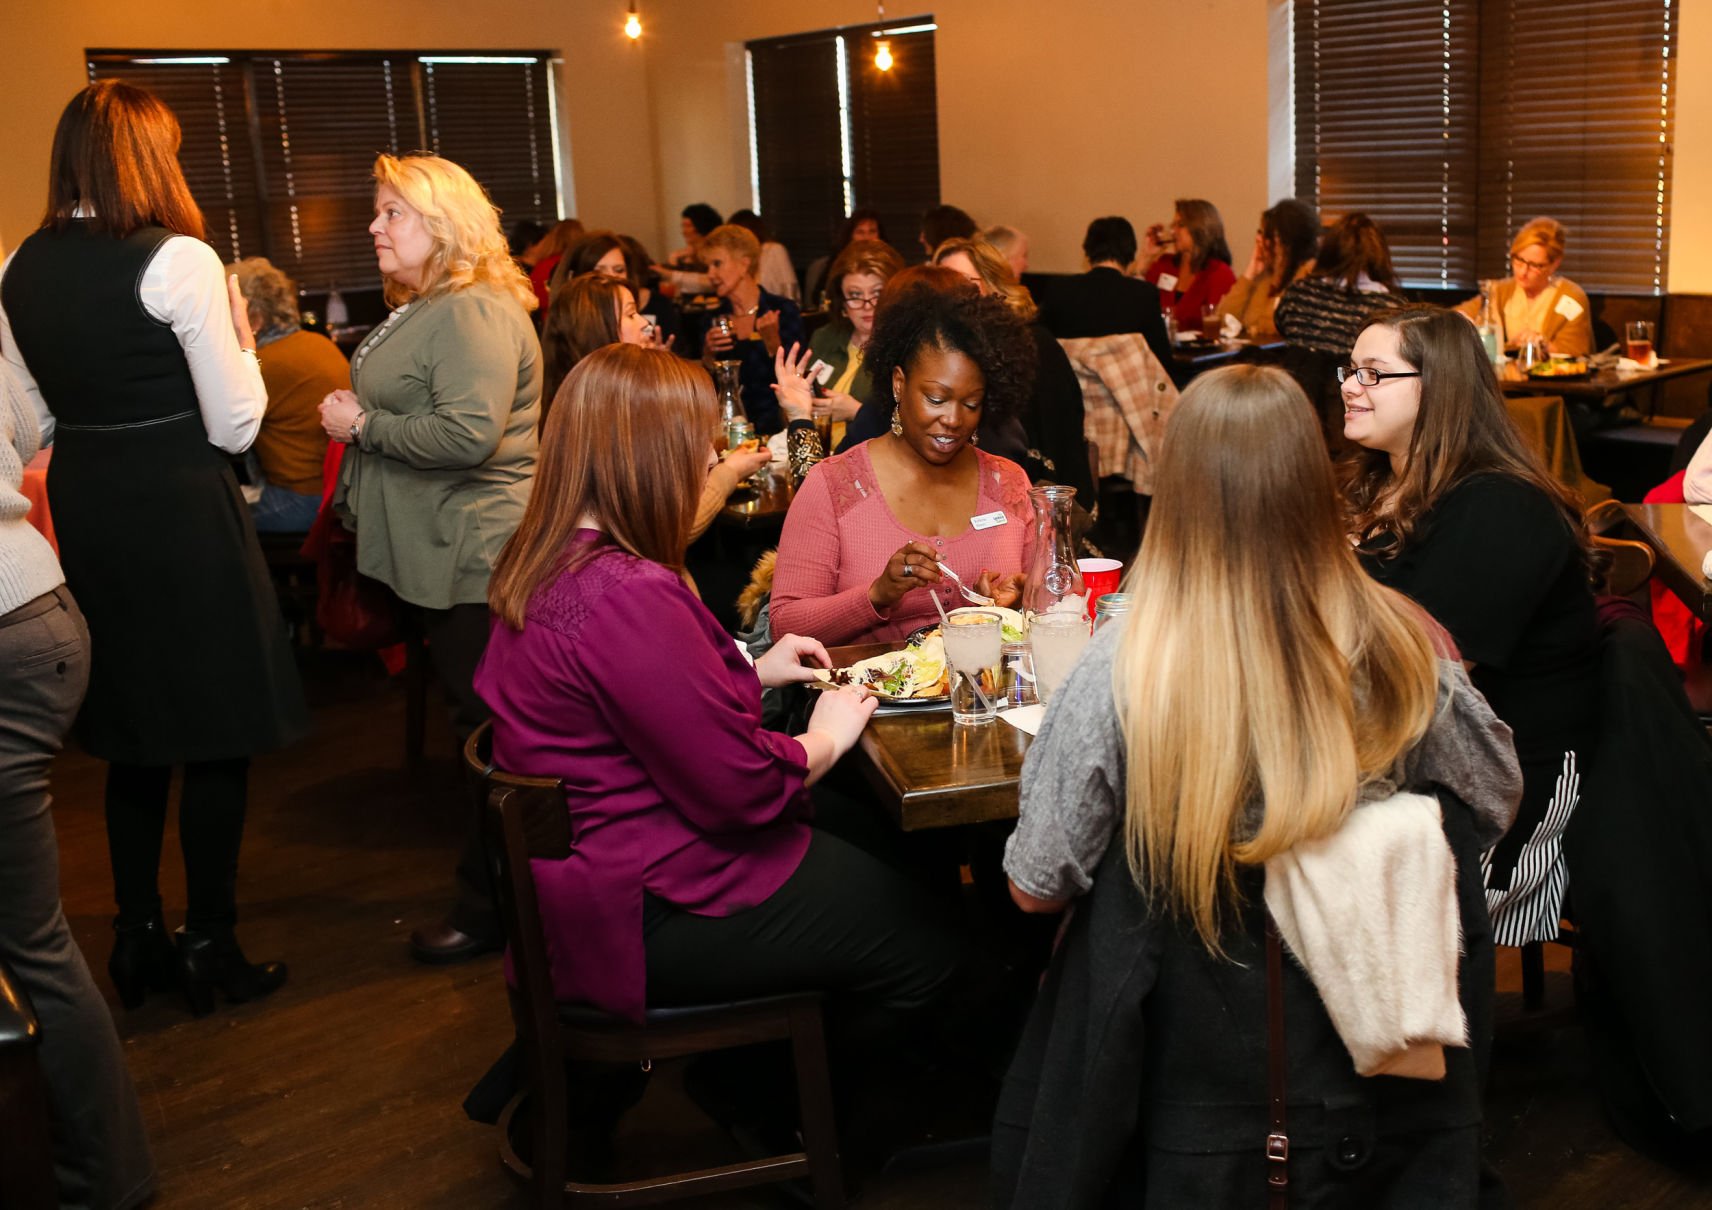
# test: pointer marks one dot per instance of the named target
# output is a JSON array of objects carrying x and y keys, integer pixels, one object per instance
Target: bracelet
[{"x": 356, "y": 428}]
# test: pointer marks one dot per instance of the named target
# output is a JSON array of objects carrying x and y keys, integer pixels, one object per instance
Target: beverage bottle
[
  {"x": 1491, "y": 323},
  {"x": 731, "y": 413}
]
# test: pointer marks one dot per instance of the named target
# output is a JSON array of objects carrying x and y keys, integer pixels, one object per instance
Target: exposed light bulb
[
  {"x": 633, "y": 24},
  {"x": 883, "y": 55}
]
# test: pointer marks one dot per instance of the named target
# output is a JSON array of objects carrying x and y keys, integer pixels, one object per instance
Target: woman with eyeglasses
[
  {"x": 1448, "y": 505},
  {"x": 1534, "y": 302}
]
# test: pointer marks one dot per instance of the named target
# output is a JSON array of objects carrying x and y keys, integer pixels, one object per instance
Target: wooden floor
[{"x": 344, "y": 1089}]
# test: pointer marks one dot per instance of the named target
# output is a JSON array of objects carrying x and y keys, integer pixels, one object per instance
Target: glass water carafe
[
  {"x": 1491, "y": 321},
  {"x": 1054, "y": 581},
  {"x": 731, "y": 411}
]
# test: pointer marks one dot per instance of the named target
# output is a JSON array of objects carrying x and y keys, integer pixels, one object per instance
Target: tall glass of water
[
  {"x": 1057, "y": 640},
  {"x": 974, "y": 650}
]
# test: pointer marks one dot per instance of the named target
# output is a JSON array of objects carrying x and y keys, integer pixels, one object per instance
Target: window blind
[
  {"x": 895, "y": 132},
  {"x": 1577, "y": 105},
  {"x": 831, "y": 132},
  {"x": 799, "y": 172},
  {"x": 1385, "y": 125},
  {"x": 279, "y": 149},
  {"x": 1453, "y": 122}
]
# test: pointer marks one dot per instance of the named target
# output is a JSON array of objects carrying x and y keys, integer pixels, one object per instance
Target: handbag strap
[{"x": 1277, "y": 1138}]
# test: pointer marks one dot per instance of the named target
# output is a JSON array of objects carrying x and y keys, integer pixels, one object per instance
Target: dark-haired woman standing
[
  {"x": 1450, "y": 507},
  {"x": 142, "y": 362}
]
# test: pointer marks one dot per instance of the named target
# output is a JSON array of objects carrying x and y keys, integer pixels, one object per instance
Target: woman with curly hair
[
  {"x": 440, "y": 437},
  {"x": 869, "y": 527}
]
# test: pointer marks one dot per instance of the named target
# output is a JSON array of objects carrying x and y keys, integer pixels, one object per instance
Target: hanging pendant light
[
  {"x": 633, "y": 23},
  {"x": 883, "y": 51}
]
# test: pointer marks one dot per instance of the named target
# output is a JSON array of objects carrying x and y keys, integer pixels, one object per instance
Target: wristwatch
[{"x": 356, "y": 427}]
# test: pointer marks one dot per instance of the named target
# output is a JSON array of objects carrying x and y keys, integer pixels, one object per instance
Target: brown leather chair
[
  {"x": 26, "y": 1151},
  {"x": 524, "y": 818}
]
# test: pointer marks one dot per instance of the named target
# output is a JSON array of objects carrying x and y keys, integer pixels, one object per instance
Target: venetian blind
[
  {"x": 279, "y": 149},
  {"x": 831, "y": 132},
  {"x": 1385, "y": 124},
  {"x": 894, "y": 125},
  {"x": 1577, "y": 104},
  {"x": 795, "y": 130},
  {"x": 210, "y": 100}
]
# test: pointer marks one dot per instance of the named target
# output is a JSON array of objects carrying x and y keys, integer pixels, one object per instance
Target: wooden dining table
[
  {"x": 927, "y": 771},
  {"x": 1604, "y": 386},
  {"x": 760, "y": 506},
  {"x": 1680, "y": 540}
]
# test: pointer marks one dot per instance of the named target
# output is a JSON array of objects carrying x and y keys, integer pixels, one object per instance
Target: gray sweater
[
  {"x": 28, "y": 566},
  {"x": 1073, "y": 788}
]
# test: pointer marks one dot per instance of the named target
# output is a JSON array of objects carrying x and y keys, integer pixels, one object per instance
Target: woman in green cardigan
[{"x": 440, "y": 437}]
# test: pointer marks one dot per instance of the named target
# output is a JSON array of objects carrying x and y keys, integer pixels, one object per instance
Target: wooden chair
[
  {"x": 524, "y": 818},
  {"x": 26, "y": 1152}
]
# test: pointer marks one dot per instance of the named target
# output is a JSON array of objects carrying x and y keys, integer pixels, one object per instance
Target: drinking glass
[
  {"x": 823, "y": 424},
  {"x": 974, "y": 648},
  {"x": 1638, "y": 335},
  {"x": 1056, "y": 639},
  {"x": 1212, "y": 323}
]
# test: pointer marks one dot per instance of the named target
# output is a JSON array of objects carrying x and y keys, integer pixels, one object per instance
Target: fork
[{"x": 969, "y": 594}]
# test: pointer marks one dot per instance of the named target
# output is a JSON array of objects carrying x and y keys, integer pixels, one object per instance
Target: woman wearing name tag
[
  {"x": 1537, "y": 303},
  {"x": 869, "y": 527}
]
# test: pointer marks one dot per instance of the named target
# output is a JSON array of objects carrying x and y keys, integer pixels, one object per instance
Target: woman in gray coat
[{"x": 440, "y": 430}]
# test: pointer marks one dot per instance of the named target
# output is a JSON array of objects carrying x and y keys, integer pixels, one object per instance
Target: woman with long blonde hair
[
  {"x": 439, "y": 431},
  {"x": 1263, "y": 687}
]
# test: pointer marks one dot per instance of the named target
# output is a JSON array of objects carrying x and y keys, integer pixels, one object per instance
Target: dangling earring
[
  {"x": 897, "y": 425},
  {"x": 975, "y": 438}
]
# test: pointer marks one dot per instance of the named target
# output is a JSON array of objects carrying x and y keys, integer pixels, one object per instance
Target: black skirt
[{"x": 190, "y": 659}]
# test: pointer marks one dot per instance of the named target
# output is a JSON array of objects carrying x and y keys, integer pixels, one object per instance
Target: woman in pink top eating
[{"x": 860, "y": 553}]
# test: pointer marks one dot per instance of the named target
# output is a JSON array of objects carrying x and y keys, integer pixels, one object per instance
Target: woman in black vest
[{"x": 142, "y": 364}]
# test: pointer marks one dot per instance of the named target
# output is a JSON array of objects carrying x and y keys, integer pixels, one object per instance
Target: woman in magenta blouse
[
  {"x": 1191, "y": 263},
  {"x": 694, "y": 873},
  {"x": 859, "y": 552}
]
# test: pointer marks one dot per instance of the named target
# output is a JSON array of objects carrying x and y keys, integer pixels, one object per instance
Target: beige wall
[
  {"x": 1049, "y": 115},
  {"x": 1691, "y": 182},
  {"x": 602, "y": 85}
]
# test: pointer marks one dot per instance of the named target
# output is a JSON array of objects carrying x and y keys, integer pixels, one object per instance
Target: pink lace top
[{"x": 840, "y": 531}]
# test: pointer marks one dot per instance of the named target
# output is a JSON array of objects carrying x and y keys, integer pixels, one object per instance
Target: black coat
[
  {"x": 1141, "y": 1078},
  {"x": 1639, "y": 850},
  {"x": 1104, "y": 302}
]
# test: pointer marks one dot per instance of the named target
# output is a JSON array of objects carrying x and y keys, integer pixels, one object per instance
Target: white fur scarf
[{"x": 1371, "y": 914}]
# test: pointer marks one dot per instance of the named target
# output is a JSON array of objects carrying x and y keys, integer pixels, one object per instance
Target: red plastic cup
[{"x": 1099, "y": 576}]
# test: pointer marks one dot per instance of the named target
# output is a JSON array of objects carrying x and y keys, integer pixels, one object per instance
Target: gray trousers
[{"x": 101, "y": 1154}]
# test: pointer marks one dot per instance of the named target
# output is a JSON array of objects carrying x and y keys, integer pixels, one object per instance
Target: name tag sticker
[
  {"x": 820, "y": 372},
  {"x": 1568, "y": 307},
  {"x": 1167, "y": 282},
  {"x": 988, "y": 520}
]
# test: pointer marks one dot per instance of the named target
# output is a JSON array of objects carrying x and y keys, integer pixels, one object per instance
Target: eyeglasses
[
  {"x": 1519, "y": 263},
  {"x": 1367, "y": 376},
  {"x": 862, "y": 301}
]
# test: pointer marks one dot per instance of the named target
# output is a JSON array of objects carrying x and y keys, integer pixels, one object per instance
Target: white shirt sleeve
[
  {"x": 1697, "y": 483},
  {"x": 185, "y": 286},
  {"x": 26, "y": 380}
]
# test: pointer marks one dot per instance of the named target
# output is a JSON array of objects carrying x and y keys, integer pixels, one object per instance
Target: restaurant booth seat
[
  {"x": 525, "y": 818},
  {"x": 26, "y": 1152}
]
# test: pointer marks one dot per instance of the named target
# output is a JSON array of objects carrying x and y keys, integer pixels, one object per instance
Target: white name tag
[
  {"x": 1568, "y": 307},
  {"x": 820, "y": 372},
  {"x": 1167, "y": 282},
  {"x": 988, "y": 520}
]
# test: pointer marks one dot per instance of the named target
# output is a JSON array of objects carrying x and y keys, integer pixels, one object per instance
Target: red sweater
[{"x": 1212, "y": 283}]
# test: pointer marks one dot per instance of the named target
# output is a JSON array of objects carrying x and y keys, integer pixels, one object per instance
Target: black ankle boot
[
  {"x": 143, "y": 960},
  {"x": 213, "y": 960}
]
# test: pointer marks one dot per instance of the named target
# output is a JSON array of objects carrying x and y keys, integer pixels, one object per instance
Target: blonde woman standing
[
  {"x": 1263, "y": 688},
  {"x": 440, "y": 431}
]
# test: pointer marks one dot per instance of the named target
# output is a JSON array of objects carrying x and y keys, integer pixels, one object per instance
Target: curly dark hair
[{"x": 931, "y": 306}]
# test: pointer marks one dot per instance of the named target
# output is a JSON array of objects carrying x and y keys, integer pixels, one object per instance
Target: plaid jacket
[{"x": 1126, "y": 398}]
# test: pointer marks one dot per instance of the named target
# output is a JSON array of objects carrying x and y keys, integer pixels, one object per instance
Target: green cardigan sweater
[{"x": 451, "y": 391}]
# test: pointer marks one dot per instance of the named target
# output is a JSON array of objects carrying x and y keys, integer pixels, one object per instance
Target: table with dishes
[{"x": 1601, "y": 385}]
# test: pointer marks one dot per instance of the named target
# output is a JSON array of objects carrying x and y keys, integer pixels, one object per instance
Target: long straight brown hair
[
  {"x": 626, "y": 443},
  {"x": 582, "y": 316},
  {"x": 115, "y": 153},
  {"x": 1462, "y": 428},
  {"x": 1262, "y": 664}
]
